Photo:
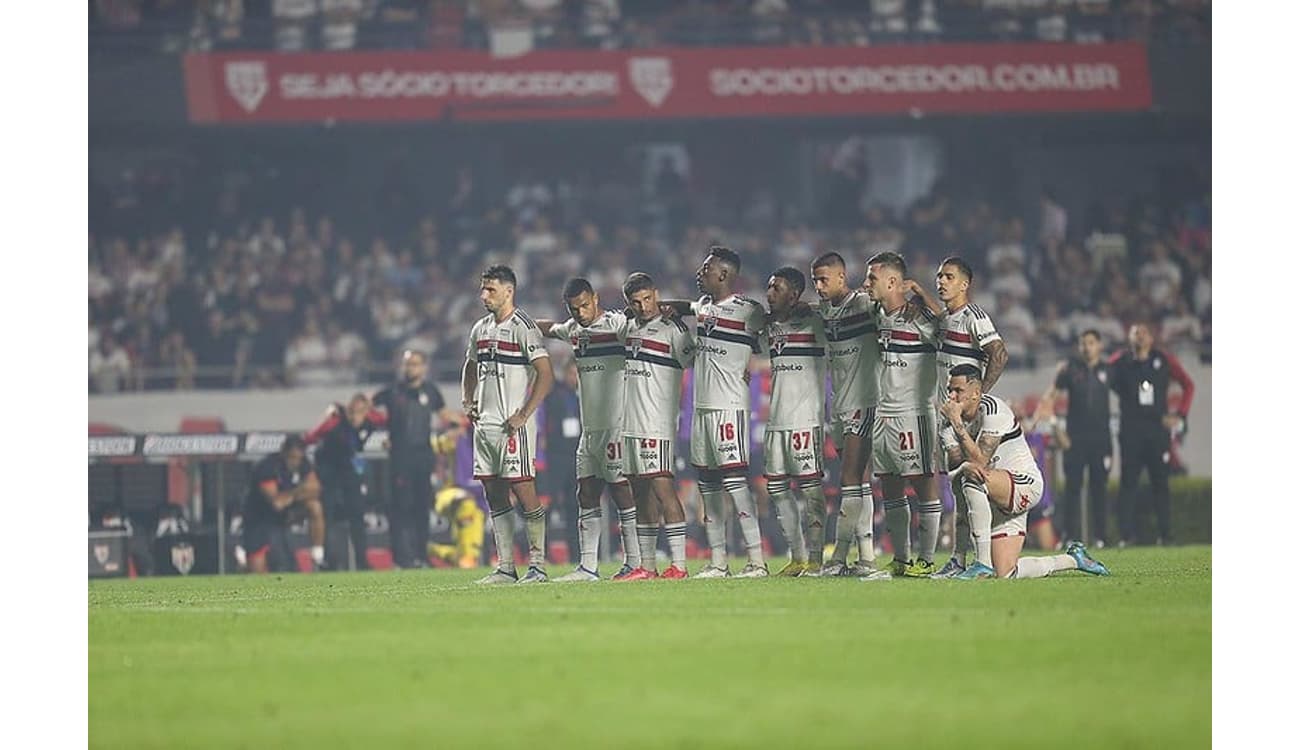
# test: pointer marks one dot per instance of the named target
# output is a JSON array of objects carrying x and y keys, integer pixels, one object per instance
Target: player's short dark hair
[
  {"x": 291, "y": 442},
  {"x": 574, "y": 287},
  {"x": 499, "y": 272},
  {"x": 960, "y": 265},
  {"x": 1093, "y": 332},
  {"x": 727, "y": 256},
  {"x": 970, "y": 372},
  {"x": 889, "y": 260},
  {"x": 415, "y": 353},
  {"x": 829, "y": 259},
  {"x": 637, "y": 282},
  {"x": 793, "y": 276}
]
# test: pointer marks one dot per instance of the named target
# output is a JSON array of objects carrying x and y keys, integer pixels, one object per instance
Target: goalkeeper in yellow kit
[{"x": 461, "y": 509}]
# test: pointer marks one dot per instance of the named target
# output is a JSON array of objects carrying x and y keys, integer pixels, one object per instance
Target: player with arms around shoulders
[
  {"x": 853, "y": 352},
  {"x": 994, "y": 469},
  {"x": 727, "y": 330},
  {"x": 904, "y": 435},
  {"x": 658, "y": 352},
  {"x": 967, "y": 337},
  {"x": 597, "y": 337},
  {"x": 793, "y": 442},
  {"x": 281, "y": 483},
  {"x": 506, "y": 376}
]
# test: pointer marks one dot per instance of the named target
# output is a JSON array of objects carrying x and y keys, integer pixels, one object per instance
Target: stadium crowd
[
  {"x": 295, "y": 25},
  {"x": 268, "y": 295}
]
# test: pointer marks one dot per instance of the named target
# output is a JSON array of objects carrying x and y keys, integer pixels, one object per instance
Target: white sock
[
  {"x": 980, "y": 518},
  {"x": 961, "y": 543},
  {"x": 747, "y": 512},
  {"x": 317, "y": 554},
  {"x": 788, "y": 514},
  {"x": 503, "y": 533},
  {"x": 588, "y": 537},
  {"x": 715, "y": 523},
  {"x": 1042, "y": 567},
  {"x": 846, "y": 524},
  {"x": 863, "y": 530},
  {"x": 814, "y": 510},
  {"x": 898, "y": 520},
  {"x": 648, "y": 537},
  {"x": 676, "y": 534},
  {"x": 535, "y": 530},
  {"x": 627, "y": 528},
  {"x": 928, "y": 538}
]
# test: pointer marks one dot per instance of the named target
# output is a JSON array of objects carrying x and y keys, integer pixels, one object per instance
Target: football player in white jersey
[
  {"x": 727, "y": 330},
  {"x": 1001, "y": 482},
  {"x": 507, "y": 375},
  {"x": 658, "y": 352},
  {"x": 597, "y": 337},
  {"x": 967, "y": 337},
  {"x": 854, "y": 353},
  {"x": 904, "y": 436},
  {"x": 793, "y": 443}
]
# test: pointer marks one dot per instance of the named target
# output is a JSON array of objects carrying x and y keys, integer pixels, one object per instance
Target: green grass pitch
[{"x": 422, "y": 659}]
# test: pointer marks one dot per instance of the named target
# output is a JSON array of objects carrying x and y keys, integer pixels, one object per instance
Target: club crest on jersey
[
  {"x": 709, "y": 322},
  {"x": 778, "y": 343},
  {"x": 833, "y": 327},
  {"x": 492, "y": 347},
  {"x": 580, "y": 343},
  {"x": 886, "y": 335},
  {"x": 635, "y": 346},
  {"x": 424, "y": 399}
]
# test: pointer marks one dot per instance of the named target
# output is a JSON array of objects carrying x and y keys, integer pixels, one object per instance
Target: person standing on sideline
[
  {"x": 506, "y": 376},
  {"x": 1085, "y": 439},
  {"x": 1141, "y": 376},
  {"x": 411, "y": 406},
  {"x": 342, "y": 436}
]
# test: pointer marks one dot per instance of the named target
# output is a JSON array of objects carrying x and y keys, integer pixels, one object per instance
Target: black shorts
[{"x": 271, "y": 539}]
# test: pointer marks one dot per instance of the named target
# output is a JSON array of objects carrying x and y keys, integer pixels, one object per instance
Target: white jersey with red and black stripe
[
  {"x": 599, "y": 354},
  {"x": 853, "y": 351},
  {"x": 1013, "y": 454},
  {"x": 727, "y": 334},
  {"x": 657, "y": 353},
  {"x": 798, "y": 351},
  {"x": 908, "y": 367},
  {"x": 504, "y": 353},
  {"x": 963, "y": 335}
]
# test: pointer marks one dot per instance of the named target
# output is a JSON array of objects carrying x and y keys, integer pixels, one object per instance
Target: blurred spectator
[
  {"x": 307, "y": 360},
  {"x": 1160, "y": 277},
  {"x": 1010, "y": 245},
  {"x": 339, "y": 24},
  {"x": 1016, "y": 324},
  {"x": 176, "y": 355},
  {"x": 1181, "y": 330},
  {"x": 347, "y": 354},
  {"x": 109, "y": 366},
  {"x": 1053, "y": 220},
  {"x": 293, "y": 19}
]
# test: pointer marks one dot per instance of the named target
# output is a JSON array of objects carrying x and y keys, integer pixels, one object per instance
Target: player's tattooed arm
[
  {"x": 954, "y": 457},
  {"x": 995, "y": 362},
  {"x": 922, "y": 297}
]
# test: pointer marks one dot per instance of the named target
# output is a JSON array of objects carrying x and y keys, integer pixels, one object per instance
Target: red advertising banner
[{"x": 239, "y": 87}]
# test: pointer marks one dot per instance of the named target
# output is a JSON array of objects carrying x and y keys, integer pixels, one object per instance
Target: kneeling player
[{"x": 997, "y": 475}]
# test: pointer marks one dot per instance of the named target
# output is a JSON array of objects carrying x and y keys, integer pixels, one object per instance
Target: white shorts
[
  {"x": 645, "y": 458},
  {"x": 854, "y": 422},
  {"x": 720, "y": 439},
  {"x": 904, "y": 446},
  {"x": 498, "y": 455},
  {"x": 600, "y": 455},
  {"x": 793, "y": 454},
  {"x": 1026, "y": 491}
]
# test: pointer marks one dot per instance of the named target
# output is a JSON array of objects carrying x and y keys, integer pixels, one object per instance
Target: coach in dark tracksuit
[
  {"x": 341, "y": 468},
  {"x": 412, "y": 406},
  {"x": 1141, "y": 375},
  {"x": 1086, "y": 442}
]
